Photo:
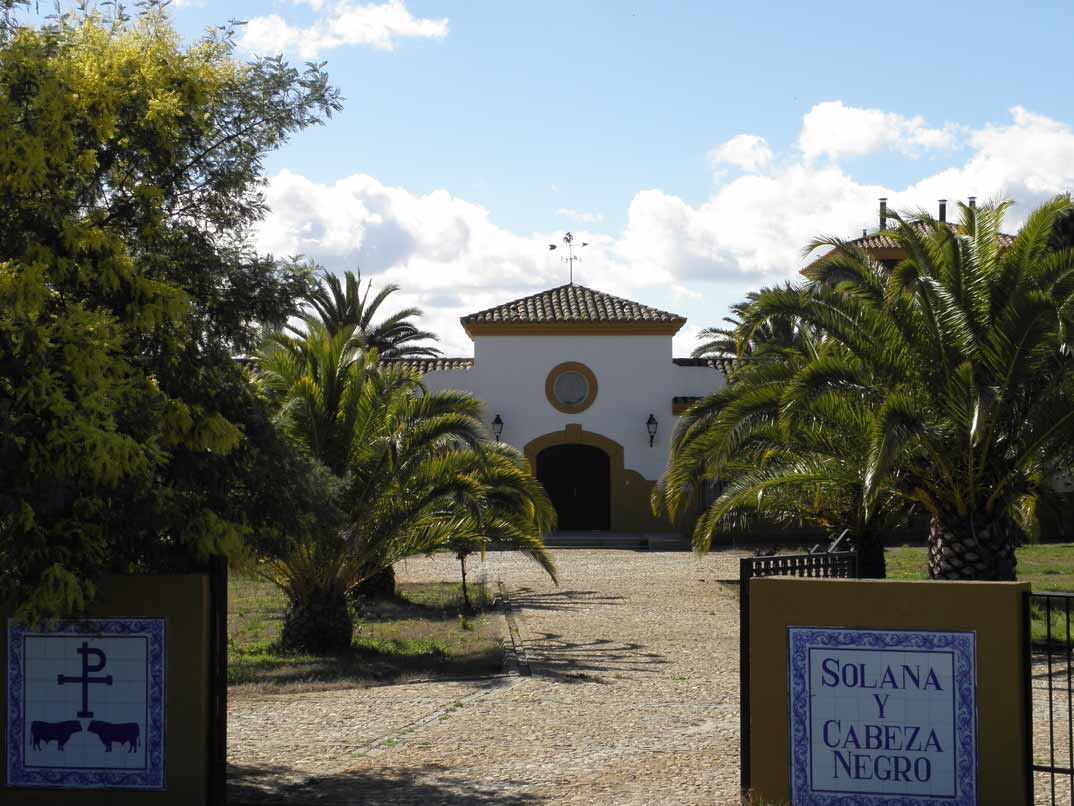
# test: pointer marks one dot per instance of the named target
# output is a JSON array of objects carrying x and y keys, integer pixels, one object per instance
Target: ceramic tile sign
[
  {"x": 86, "y": 704},
  {"x": 883, "y": 717}
]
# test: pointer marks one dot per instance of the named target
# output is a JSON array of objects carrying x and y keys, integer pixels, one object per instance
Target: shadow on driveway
[
  {"x": 551, "y": 655},
  {"x": 422, "y": 786},
  {"x": 529, "y": 599}
]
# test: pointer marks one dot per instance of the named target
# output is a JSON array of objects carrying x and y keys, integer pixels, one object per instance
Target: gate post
[
  {"x": 745, "y": 573},
  {"x": 217, "y": 795},
  {"x": 1027, "y": 681}
]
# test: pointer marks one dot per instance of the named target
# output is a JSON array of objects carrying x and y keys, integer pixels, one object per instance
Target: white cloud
[
  {"x": 580, "y": 216},
  {"x": 835, "y": 130},
  {"x": 452, "y": 259},
  {"x": 444, "y": 251},
  {"x": 746, "y": 151},
  {"x": 343, "y": 23},
  {"x": 1029, "y": 160}
]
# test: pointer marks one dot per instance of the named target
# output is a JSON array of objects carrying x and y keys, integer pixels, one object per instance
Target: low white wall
[{"x": 635, "y": 377}]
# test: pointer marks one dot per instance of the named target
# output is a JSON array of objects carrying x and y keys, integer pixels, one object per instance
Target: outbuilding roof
[
  {"x": 423, "y": 365},
  {"x": 884, "y": 246},
  {"x": 884, "y": 240},
  {"x": 569, "y": 307},
  {"x": 724, "y": 365}
]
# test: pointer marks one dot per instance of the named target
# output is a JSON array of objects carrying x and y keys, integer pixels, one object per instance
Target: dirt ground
[{"x": 632, "y": 698}]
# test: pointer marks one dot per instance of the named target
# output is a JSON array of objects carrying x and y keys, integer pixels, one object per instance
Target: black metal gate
[
  {"x": 821, "y": 565},
  {"x": 1049, "y": 703}
]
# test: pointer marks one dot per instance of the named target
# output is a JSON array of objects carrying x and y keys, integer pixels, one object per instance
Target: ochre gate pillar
[{"x": 902, "y": 691}]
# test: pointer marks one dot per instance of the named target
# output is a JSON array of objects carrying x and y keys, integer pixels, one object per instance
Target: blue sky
[{"x": 697, "y": 146}]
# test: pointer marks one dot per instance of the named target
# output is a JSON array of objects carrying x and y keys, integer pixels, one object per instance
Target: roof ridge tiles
[{"x": 571, "y": 303}]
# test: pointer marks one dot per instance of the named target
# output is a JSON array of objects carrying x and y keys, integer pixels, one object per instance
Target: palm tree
[
  {"x": 780, "y": 453},
  {"x": 971, "y": 350},
  {"x": 965, "y": 349},
  {"x": 414, "y": 465},
  {"x": 956, "y": 367},
  {"x": 763, "y": 340},
  {"x": 314, "y": 378},
  {"x": 338, "y": 305},
  {"x": 516, "y": 514}
]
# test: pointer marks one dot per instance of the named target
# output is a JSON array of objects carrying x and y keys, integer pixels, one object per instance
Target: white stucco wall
[{"x": 635, "y": 377}]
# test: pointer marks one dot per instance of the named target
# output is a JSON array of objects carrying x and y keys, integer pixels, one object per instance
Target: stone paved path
[{"x": 633, "y": 699}]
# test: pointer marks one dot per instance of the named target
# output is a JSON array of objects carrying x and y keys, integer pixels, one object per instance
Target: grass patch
[
  {"x": 1062, "y": 630},
  {"x": 1049, "y": 568},
  {"x": 425, "y": 631}
]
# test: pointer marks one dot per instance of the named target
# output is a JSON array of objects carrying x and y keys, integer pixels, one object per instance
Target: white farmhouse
[{"x": 585, "y": 385}]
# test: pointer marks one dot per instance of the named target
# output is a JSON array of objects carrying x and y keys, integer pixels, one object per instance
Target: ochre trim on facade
[
  {"x": 570, "y": 366},
  {"x": 572, "y": 328},
  {"x": 630, "y": 491}
]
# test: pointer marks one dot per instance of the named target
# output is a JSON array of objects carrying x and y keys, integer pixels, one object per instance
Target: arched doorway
[{"x": 578, "y": 480}]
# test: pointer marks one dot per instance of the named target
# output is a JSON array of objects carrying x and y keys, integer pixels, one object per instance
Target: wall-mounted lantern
[
  {"x": 497, "y": 427},
  {"x": 651, "y": 425}
]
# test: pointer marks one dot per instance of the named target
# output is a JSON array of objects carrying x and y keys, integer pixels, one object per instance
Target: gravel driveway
[{"x": 632, "y": 699}]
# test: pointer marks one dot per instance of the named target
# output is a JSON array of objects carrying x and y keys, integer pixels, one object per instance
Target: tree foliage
[{"x": 130, "y": 178}]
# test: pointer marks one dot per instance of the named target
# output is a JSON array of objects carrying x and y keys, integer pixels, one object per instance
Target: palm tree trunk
[
  {"x": 465, "y": 593},
  {"x": 379, "y": 586},
  {"x": 318, "y": 623},
  {"x": 871, "y": 561},
  {"x": 964, "y": 552}
]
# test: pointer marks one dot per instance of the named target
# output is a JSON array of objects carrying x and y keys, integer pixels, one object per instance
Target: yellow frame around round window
[{"x": 560, "y": 369}]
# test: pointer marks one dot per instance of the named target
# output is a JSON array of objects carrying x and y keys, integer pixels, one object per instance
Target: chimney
[
  {"x": 883, "y": 213},
  {"x": 973, "y": 202},
  {"x": 943, "y": 210}
]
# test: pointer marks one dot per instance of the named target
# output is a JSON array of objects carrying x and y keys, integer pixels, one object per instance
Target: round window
[{"x": 571, "y": 388}]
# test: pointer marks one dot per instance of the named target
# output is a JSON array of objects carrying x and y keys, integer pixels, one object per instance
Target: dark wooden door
[{"x": 578, "y": 480}]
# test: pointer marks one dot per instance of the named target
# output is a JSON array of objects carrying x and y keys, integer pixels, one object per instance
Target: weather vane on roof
[{"x": 569, "y": 240}]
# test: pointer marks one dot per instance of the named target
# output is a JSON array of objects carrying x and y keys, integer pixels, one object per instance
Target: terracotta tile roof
[
  {"x": 574, "y": 304},
  {"x": 881, "y": 240},
  {"x": 423, "y": 365},
  {"x": 724, "y": 365}
]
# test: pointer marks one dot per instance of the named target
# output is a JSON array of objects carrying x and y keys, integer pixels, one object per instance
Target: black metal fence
[
  {"x": 820, "y": 565},
  {"x": 1050, "y": 697}
]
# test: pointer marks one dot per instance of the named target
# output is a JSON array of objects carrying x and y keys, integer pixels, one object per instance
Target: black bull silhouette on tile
[
  {"x": 120, "y": 733},
  {"x": 109, "y": 733},
  {"x": 59, "y": 732}
]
